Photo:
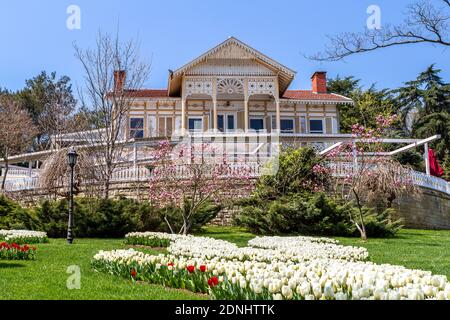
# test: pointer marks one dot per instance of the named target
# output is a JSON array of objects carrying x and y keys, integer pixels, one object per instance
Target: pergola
[{"x": 412, "y": 143}]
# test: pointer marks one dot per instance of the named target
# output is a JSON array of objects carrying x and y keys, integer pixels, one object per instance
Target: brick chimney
[
  {"x": 119, "y": 80},
  {"x": 319, "y": 82}
]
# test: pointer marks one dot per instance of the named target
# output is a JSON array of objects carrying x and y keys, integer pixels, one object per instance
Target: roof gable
[
  {"x": 233, "y": 48},
  {"x": 236, "y": 50}
]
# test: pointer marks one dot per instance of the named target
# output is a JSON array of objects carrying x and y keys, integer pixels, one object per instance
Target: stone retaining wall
[{"x": 429, "y": 210}]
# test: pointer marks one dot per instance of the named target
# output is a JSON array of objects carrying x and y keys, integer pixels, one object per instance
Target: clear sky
[{"x": 34, "y": 36}]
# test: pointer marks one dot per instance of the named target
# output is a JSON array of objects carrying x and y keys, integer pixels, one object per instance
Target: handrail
[
  {"x": 141, "y": 174},
  {"x": 342, "y": 169}
]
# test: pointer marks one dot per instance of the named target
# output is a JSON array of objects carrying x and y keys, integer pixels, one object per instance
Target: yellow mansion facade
[{"x": 232, "y": 88}]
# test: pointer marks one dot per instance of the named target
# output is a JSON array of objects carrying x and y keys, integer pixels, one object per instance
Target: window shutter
[
  {"x": 152, "y": 126},
  {"x": 205, "y": 123},
  {"x": 162, "y": 126},
  {"x": 240, "y": 120},
  {"x": 269, "y": 124},
  {"x": 328, "y": 125},
  {"x": 335, "y": 125},
  {"x": 303, "y": 125},
  {"x": 169, "y": 126}
]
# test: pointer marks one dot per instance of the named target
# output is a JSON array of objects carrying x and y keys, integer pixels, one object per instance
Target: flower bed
[
  {"x": 23, "y": 236},
  {"x": 152, "y": 239},
  {"x": 316, "y": 279},
  {"x": 202, "y": 247},
  {"x": 15, "y": 251},
  {"x": 261, "y": 248},
  {"x": 280, "y": 268}
]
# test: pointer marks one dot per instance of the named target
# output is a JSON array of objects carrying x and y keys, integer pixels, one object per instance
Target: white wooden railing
[
  {"x": 14, "y": 172},
  {"x": 342, "y": 169},
  {"x": 131, "y": 174}
]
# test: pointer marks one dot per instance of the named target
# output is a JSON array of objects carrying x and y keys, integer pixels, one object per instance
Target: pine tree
[
  {"x": 426, "y": 102},
  {"x": 446, "y": 166}
]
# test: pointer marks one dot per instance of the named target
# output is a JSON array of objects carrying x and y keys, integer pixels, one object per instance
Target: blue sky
[{"x": 35, "y": 37}]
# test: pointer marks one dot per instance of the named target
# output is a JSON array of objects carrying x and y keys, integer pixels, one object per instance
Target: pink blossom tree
[
  {"x": 370, "y": 177},
  {"x": 188, "y": 176}
]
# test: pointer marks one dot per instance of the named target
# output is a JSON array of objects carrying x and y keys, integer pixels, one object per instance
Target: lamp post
[{"x": 72, "y": 159}]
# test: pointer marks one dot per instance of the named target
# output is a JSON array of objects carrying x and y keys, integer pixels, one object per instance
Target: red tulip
[
  {"x": 213, "y": 281},
  {"x": 202, "y": 268},
  {"x": 133, "y": 273},
  {"x": 190, "y": 268}
]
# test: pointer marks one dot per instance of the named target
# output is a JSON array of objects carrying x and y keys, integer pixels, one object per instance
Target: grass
[{"x": 45, "y": 278}]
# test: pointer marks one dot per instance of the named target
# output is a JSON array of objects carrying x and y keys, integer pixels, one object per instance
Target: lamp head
[{"x": 72, "y": 157}]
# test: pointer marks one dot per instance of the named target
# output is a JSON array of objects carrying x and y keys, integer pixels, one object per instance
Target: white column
[
  {"x": 135, "y": 157},
  {"x": 246, "y": 114},
  {"x": 278, "y": 115},
  {"x": 215, "y": 122},
  {"x": 246, "y": 97},
  {"x": 183, "y": 115},
  {"x": 427, "y": 160}
]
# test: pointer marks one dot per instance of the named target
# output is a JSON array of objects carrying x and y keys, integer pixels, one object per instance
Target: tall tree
[
  {"x": 51, "y": 104},
  {"x": 112, "y": 70},
  {"x": 368, "y": 104},
  {"x": 424, "y": 106},
  {"x": 426, "y": 21},
  {"x": 16, "y": 131}
]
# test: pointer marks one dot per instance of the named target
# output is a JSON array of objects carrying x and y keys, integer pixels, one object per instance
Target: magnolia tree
[
  {"x": 113, "y": 69},
  {"x": 370, "y": 178},
  {"x": 16, "y": 132},
  {"x": 188, "y": 176}
]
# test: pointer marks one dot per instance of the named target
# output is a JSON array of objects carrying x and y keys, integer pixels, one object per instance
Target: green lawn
[{"x": 45, "y": 278}]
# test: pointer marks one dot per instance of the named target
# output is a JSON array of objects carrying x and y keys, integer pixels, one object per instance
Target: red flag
[{"x": 435, "y": 169}]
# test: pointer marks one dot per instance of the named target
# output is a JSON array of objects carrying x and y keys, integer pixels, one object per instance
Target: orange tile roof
[
  {"x": 309, "y": 95},
  {"x": 289, "y": 94},
  {"x": 148, "y": 93}
]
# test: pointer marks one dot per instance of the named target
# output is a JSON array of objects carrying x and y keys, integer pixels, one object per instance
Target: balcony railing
[{"x": 254, "y": 170}]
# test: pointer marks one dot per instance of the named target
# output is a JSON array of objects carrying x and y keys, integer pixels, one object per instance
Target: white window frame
[
  {"x": 316, "y": 118},
  {"x": 196, "y": 130},
  {"x": 293, "y": 124},
  {"x": 165, "y": 116},
  {"x": 135, "y": 129},
  {"x": 257, "y": 118},
  {"x": 225, "y": 122}
]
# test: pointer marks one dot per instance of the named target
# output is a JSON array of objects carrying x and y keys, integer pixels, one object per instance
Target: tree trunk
[
  {"x": 106, "y": 189},
  {"x": 5, "y": 173},
  {"x": 361, "y": 228}
]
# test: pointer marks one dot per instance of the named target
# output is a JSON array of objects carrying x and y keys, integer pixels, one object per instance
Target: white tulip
[
  {"x": 277, "y": 296},
  {"x": 340, "y": 296},
  {"x": 317, "y": 290},
  {"x": 286, "y": 291},
  {"x": 328, "y": 291}
]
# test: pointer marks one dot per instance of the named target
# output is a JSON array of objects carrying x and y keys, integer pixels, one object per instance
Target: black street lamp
[{"x": 72, "y": 159}]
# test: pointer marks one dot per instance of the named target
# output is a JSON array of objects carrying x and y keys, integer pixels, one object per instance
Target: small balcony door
[{"x": 226, "y": 122}]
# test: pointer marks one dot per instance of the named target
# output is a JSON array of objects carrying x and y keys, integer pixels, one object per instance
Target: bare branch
[{"x": 424, "y": 23}]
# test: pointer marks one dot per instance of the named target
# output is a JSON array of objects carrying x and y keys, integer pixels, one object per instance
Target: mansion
[
  {"x": 232, "y": 88},
  {"x": 231, "y": 93}
]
